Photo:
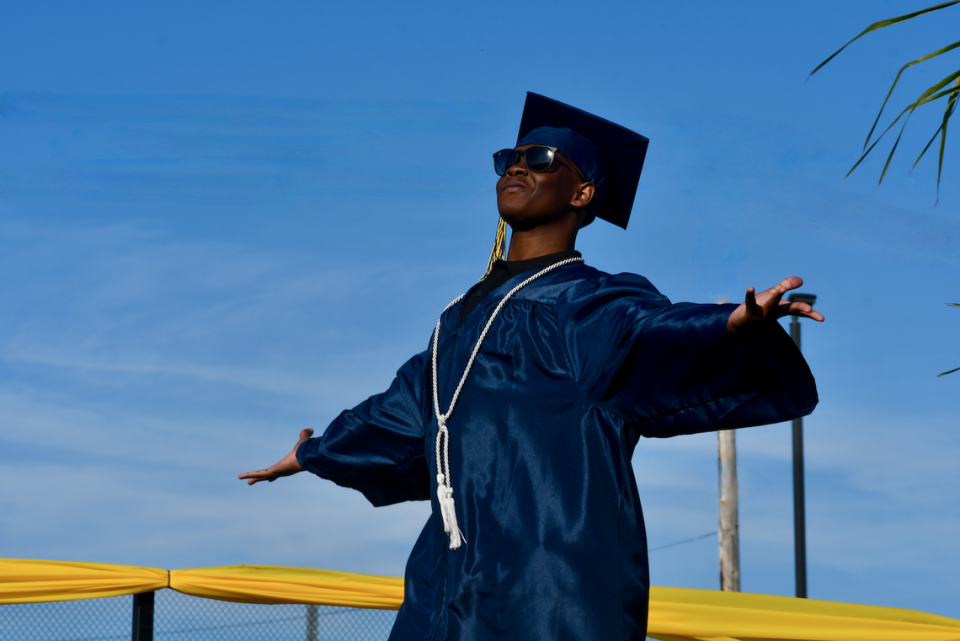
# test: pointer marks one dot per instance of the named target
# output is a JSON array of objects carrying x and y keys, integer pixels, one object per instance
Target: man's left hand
[{"x": 768, "y": 306}]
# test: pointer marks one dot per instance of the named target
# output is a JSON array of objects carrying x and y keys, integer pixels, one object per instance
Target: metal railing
[{"x": 166, "y": 615}]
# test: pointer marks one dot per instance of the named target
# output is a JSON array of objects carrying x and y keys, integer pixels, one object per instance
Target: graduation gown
[{"x": 577, "y": 367}]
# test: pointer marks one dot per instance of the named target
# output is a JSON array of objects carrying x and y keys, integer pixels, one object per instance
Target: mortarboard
[{"x": 621, "y": 151}]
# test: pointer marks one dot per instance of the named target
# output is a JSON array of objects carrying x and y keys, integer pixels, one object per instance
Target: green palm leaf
[
  {"x": 931, "y": 94},
  {"x": 956, "y": 368},
  {"x": 885, "y": 23},
  {"x": 951, "y": 105},
  {"x": 897, "y": 79},
  {"x": 930, "y": 142},
  {"x": 935, "y": 92}
]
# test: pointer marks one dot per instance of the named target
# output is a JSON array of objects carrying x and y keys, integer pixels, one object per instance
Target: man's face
[{"x": 527, "y": 199}]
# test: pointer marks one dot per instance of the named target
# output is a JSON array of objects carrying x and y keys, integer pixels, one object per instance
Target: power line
[{"x": 670, "y": 545}]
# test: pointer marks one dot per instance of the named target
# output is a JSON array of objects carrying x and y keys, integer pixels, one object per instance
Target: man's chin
[
  {"x": 510, "y": 214},
  {"x": 519, "y": 219},
  {"x": 524, "y": 221}
]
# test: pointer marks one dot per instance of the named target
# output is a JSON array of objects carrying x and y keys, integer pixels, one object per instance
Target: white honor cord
[{"x": 444, "y": 485}]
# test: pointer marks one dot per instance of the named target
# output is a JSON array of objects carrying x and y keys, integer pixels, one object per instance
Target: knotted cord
[{"x": 444, "y": 483}]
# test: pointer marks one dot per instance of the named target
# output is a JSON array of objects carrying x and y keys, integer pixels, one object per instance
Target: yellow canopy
[
  {"x": 268, "y": 584},
  {"x": 679, "y": 613},
  {"x": 28, "y": 581},
  {"x": 675, "y": 613}
]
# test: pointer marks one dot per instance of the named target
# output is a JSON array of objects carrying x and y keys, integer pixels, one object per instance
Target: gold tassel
[{"x": 499, "y": 247}]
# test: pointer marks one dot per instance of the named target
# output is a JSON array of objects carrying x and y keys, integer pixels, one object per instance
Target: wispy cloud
[
  {"x": 128, "y": 304},
  {"x": 142, "y": 374},
  {"x": 230, "y": 149},
  {"x": 170, "y": 518}
]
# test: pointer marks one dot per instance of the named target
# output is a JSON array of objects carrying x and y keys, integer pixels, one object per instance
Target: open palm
[{"x": 287, "y": 466}]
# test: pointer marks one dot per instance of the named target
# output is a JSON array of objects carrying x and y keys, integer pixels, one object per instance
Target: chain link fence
[{"x": 179, "y": 617}]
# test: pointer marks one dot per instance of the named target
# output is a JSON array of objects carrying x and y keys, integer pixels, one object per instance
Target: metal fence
[{"x": 170, "y": 616}]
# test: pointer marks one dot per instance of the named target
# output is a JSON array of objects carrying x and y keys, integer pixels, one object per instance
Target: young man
[{"x": 519, "y": 421}]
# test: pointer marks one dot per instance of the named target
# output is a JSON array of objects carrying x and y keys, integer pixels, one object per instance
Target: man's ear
[{"x": 583, "y": 196}]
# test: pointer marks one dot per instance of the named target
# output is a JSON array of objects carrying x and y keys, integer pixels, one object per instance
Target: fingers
[
  {"x": 786, "y": 308},
  {"x": 769, "y": 303},
  {"x": 790, "y": 282},
  {"x": 785, "y": 285},
  {"x": 288, "y": 465},
  {"x": 776, "y": 293},
  {"x": 258, "y": 476}
]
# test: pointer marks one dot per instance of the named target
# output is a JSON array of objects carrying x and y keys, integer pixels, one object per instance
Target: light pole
[{"x": 799, "y": 512}]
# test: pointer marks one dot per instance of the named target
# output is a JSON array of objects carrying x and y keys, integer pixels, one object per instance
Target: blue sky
[{"x": 221, "y": 224}]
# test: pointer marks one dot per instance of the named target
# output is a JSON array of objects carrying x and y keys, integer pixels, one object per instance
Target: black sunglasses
[{"x": 538, "y": 158}]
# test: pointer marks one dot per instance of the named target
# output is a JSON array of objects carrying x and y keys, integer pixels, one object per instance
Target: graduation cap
[
  {"x": 615, "y": 173},
  {"x": 609, "y": 155}
]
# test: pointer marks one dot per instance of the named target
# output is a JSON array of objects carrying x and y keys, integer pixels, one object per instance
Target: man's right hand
[{"x": 287, "y": 466}]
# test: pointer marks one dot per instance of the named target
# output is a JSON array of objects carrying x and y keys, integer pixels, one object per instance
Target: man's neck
[{"x": 541, "y": 241}]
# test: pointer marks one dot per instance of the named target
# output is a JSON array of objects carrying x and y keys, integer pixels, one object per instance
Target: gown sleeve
[
  {"x": 674, "y": 369},
  {"x": 378, "y": 446}
]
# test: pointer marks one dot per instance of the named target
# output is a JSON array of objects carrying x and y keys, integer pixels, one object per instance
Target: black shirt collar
[
  {"x": 504, "y": 270},
  {"x": 519, "y": 266}
]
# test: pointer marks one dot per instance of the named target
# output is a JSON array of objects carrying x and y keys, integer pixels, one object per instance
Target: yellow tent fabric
[
  {"x": 705, "y": 615},
  {"x": 268, "y": 584},
  {"x": 27, "y": 581},
  {"x": 676, "y": 614}
]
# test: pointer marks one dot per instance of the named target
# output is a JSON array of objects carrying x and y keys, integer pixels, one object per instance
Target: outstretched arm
[
  {"x": 287, "y": 466},
  {"x": 377, "y": 448},
  {"x": 769, "y": 306},
  {"x": 685, "y": 368}
]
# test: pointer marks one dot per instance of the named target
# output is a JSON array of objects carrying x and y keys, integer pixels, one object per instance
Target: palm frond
[
  {"x": 886, "y": 165},
  {"x": 885, "y": 23},
  {"x": 956, "y": 368},
  {"x": 930, "y": 142},
  {"x": 951, "y": 105},
  {"x": 897, "y": 79},
  {"x": 933, "y": 93},
  {"x": 953, "y": 94}
]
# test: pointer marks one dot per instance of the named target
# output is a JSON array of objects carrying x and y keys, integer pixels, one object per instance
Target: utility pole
[
  {"x": 729, "y": 524},
  {"x": 799, "y": 508}
]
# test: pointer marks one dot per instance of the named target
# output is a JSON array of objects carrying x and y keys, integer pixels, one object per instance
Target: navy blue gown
[{"x": 576, "y": 368}]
